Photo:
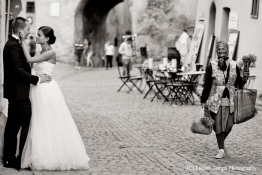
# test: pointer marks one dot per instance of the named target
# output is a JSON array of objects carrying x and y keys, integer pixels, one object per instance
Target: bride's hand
[{"x": 45, "y": 78}]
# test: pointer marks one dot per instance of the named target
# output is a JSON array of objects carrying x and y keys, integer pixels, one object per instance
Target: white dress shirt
[
  {"x": 110, "y": 50},
  {"x": 126, "y": 50}
]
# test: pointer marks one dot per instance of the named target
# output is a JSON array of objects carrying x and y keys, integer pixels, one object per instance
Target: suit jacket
[{"x": 17, "y": 72}]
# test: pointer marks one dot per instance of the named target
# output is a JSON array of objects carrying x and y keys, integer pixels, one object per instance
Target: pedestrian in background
[
  {"x": 79, "y": 48},
  {"x": 89, "y": 55},
  {"x": 110, "y": 51},
  {"x": 125, "y": 50},
  {"x": 183, "y": 45},
  {"x": 173, "y": 53},
  {"x": 222, "y": 77},
  {"x": 106, "y": 45},
  {"x": 104, "y": 57},
  {"x": 85, "y": 50}
]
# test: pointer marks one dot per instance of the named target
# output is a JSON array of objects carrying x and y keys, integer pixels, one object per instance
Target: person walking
[
  {"x": 110, "y": 51},
  {"x": 79, "y": 48},
  {"x": 89, "y": 54},
  {"x": 125, "y": 50},
  {"x": 84, "y": 54},
  {"x": 222, "y": 77},
  {"x": 104, "y": 56}
]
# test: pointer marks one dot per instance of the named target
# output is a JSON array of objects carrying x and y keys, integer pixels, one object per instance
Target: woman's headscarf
[
  {"x": 223, "y": 44},
  {"x": 221, "y": 63}
]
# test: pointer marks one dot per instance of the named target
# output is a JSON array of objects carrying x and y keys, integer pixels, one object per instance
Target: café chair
[
  {"x": 155, "y": 86},
  {"x": 130, "y": 82},
  {"x": 180, "y": 90}
]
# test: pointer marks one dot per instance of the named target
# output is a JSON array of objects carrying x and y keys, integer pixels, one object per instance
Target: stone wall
[
  {"x": 118, "y": 22},
  {"x": 63, "y": 25},
  {"x": 2, "y": 129},
  {"x": 157, "y": 26},
  {"x": 2, "y": 101}
]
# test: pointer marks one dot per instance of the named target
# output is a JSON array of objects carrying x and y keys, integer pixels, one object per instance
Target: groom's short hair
[{"x": 18, "y": 23}]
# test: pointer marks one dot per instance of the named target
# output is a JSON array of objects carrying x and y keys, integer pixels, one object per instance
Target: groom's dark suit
[{"x": 17, "y": 80}]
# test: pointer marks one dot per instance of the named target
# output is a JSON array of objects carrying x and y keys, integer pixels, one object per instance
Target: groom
[{"x": 17, "y": 80}]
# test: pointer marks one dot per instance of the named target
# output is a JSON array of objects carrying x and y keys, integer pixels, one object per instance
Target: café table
[
  {"x": 154, "y": 68},
  {"x": 184, "y": 84},
  {"x": 192, "y": 77},
  {"x": 190, "y": 73}
]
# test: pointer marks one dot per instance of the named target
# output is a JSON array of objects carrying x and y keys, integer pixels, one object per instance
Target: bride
[{"x": 53, "y": 141}]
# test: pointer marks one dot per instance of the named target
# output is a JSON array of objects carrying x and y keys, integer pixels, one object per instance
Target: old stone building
[
  {"x": 75, "y": 20},
  {"x": 2, "y": 101},
  {"x": 247, "y": 22},
  {"x": 157, "y": 21}
]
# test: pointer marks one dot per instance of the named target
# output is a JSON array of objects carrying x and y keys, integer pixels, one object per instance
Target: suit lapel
[
  {"x": 22, "y": 56},
  {"x": 16, "y": 40}
]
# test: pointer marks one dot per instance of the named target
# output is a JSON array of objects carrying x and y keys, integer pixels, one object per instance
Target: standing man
[
  {"x": 105, "y": 48},
  {"x": 17, "y": 80},
  {"x": 125, "y": 50},
  {"x": 110, "y": 51}
]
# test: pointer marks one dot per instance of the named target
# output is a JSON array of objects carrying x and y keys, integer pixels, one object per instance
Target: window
[
  {"x": 55, "y": 9},
  {"x": 30, "y": 19},
  {"x": 255, "y": 9},
  {"x": 30, "y": 7}
]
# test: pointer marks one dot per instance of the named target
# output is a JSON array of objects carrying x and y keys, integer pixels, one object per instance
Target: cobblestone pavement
[{"x": 125, "y": 134}]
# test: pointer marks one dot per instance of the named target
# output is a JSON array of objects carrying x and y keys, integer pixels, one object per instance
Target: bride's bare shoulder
[
  {"x": 52, "y": 56},
  {"x": 50, "y": 52}
]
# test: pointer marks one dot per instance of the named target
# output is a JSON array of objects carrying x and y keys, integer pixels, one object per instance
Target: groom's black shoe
[{"x": 10, "y": 163}]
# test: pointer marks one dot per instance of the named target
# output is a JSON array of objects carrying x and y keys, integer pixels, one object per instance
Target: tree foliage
[{"x": 162, "y": 21}]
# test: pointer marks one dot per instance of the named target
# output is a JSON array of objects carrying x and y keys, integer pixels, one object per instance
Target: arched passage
[{"x": 90, "y": 22}]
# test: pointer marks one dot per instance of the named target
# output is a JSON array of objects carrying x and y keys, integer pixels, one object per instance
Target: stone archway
[{"x": 90, "y": 22}]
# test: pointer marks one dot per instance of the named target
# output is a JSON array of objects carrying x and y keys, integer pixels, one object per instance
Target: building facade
[
  {"x": 60, "y": 17},
  {"x": 96, "y": 20},
  {"x": 215, "y": 16},
  {"x": 73, "y": 21}
]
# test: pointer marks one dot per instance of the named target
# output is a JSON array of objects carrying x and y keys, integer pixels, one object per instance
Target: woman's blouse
[
  {"x": 126, "y": 50},
  {"x": 209, "y": 81}
]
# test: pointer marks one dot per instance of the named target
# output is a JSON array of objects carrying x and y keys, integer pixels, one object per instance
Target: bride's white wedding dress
[{"x": 53, "y": 141}]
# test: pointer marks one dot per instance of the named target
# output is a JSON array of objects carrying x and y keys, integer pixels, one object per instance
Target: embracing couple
[{"x": 49, "y": 137}]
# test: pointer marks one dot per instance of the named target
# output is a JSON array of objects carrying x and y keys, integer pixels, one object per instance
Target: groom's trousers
[{"x": 19, "y": 115}]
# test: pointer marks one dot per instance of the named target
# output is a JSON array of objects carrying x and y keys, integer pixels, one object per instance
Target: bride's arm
[{"x": 38, "y": 58}]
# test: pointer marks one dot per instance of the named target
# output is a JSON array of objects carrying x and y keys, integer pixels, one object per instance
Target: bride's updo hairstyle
[{"x": 48, "y": 32}]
